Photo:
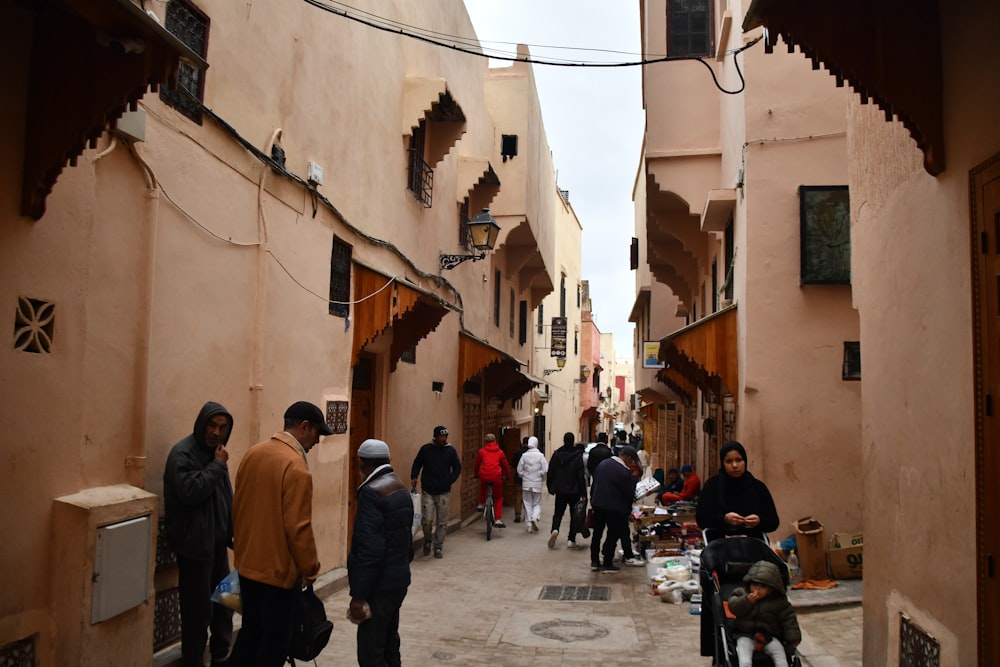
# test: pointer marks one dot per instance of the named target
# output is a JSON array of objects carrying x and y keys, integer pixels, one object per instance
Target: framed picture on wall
[
  {"x": 825, "y": 221},
  {"x": 650, "y": 354}
]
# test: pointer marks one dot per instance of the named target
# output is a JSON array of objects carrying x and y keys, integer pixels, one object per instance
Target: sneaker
[
  {"x": 427, "y": 548},
  {"x": 517, "y": 518},
  {"x": 437, "y": 553},
  {"x": 552, "y": 539},
  {"x": 610, "y": 569},
  {"x": 479, "y": 508},
  {"x": 534, "y": 525},
  {"x": 634, "y": 562},
  {"x": 570, "y": 544},
  {"x": 595, "y": 567},
  {"x": 499, "y": 524}
]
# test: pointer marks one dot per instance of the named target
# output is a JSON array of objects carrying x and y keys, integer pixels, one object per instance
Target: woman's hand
[
  {"x": 733, "y": 519},
  {"x": 751, "y": 520}
]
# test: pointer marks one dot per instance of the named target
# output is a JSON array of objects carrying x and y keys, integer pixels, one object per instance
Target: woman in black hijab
[{"x": 734, "y": 502}]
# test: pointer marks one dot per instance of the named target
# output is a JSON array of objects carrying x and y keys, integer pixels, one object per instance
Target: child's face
[{"x": 762, "y": 590}]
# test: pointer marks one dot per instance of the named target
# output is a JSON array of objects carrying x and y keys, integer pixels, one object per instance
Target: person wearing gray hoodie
[{"x": 765, "y": 619}]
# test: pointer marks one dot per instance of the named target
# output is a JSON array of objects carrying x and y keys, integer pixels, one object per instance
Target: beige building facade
[
  {"x": 923, "y": 145},
  {"x": 556, "y": 399},
  {"x": 753, "y": 331},
  {"x": 279, "y": 234}
]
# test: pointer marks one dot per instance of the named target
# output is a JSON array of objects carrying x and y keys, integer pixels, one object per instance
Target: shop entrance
[{"x": 361, "y": 429}]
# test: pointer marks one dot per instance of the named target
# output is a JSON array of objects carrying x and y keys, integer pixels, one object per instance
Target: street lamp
[
  {"x": 484, "y": 231},
  {"x": 560, "y": 362}
]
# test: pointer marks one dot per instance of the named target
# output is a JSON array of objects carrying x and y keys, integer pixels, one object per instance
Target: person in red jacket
[
  {"x": 491, "y": 466},
  {"x": 690, "y": 490}
]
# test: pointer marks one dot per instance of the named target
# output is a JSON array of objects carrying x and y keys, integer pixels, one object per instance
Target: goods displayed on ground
[{"x": 671, "y": 542}]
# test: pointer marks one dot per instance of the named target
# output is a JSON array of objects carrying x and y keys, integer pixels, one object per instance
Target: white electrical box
[
  {"x": 121, "y": 576},
  {"x": 315, "y": 174},
  {"x": 132, "y": 125}
]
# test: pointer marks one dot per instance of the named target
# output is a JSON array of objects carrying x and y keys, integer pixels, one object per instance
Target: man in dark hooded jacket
[
  {"x": 198, "y": 501},
  {"x": 378, "y": 566},
  {"x": 566, "y": 481}
]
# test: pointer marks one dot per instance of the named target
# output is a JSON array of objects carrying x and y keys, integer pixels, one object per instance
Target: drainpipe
[
  {"x": 135, "y": 462},
  {"x": 260, "y": 302}
]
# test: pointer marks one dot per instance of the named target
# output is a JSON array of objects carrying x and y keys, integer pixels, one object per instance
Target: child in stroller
[{"x": 727, "y": 564}]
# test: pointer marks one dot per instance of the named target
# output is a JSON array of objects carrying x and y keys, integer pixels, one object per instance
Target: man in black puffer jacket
[
  {"x": 198, "y": 508},
  {"x": 378, "y": 566},
  {"x": 566, "y": 481}
]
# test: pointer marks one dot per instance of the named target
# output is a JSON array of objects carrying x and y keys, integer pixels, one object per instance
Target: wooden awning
[
  {"x": 507, "y": 382},
  {"x": 678, "y": 383},
  {"x": 475, "y": 356},
  {"x": 704, "y": 354},
  {"x": 411, "y": 312},
  {"x": 889, "y": 51},
  {"x": 78, "y": 85}
]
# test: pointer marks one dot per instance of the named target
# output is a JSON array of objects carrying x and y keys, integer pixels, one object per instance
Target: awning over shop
[
  {"x": 892, "y": 58},
  {"x": 703, "y": 354},
  {"x": 680, "y": 385},
  {"x": 78, "y": 84},
  {"x": 477, "y": 356},
  {"x": 411, "y": 312},
  {"x": 509, "y": 385}
]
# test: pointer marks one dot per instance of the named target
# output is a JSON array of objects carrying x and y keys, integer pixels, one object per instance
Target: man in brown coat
[{"x": 273, "y": 536}]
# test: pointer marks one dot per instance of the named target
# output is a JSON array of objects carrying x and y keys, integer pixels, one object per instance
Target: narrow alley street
[{"x": 481, "y": 605}]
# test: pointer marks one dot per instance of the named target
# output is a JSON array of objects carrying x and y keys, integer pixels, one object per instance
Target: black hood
[{"x": 208, "y": 411}]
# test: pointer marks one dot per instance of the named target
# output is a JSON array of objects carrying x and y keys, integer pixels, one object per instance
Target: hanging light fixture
[{"x": 484, "y": 231}]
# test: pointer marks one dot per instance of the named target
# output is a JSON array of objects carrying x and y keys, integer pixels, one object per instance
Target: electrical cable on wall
[
  {"x": 153, "y": 182},
  {"x": 474, "y": 47}
]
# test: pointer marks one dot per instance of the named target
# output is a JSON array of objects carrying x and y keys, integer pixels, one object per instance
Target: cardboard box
[
  {"x": 811, "y": 548},
  {"x": 845, "y": 555}
]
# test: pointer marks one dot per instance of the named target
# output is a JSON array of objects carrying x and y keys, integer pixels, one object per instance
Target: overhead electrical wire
[{"x": 473, "y": 47}]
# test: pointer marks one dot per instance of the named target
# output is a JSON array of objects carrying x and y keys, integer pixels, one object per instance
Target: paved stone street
[{"x": 480, "y": 605}]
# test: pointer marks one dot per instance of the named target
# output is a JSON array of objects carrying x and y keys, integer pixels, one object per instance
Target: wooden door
[
  {"x": 985, "y": 209},
  {"x": 362, "y": 410}
]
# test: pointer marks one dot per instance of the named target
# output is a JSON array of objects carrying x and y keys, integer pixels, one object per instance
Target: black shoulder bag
[{"x": 310, "y": 628}]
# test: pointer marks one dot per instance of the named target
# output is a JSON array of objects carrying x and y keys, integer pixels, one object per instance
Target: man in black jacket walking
[
  {"x": 565, "y": 479},
  {"x": 611, "y": 496},
  {"x": 198, "y": 503},
  {"x": 441, "y": 467},
  {"x": 378, "y": 566}
]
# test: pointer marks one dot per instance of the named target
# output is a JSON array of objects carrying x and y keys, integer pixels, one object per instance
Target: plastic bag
[
  {"x": 227, "y": 593},
  {"x": 417, "y": 516}
]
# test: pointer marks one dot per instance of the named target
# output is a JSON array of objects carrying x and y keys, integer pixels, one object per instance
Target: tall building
[{"x": 262, "y": 204}]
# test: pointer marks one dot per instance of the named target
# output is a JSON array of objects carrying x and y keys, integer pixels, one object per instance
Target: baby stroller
[{"x": 724, "y": 563}]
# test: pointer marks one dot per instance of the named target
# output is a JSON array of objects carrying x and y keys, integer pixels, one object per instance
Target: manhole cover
[
  {"x": 569, "y": 631},
  {"x": 597, "y": 593}
]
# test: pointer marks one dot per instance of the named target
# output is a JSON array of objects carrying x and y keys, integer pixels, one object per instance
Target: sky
[{"x": 594, "y": 123}]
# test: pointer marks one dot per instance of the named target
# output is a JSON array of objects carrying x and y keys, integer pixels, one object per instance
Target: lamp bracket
[
  {"x": 449, "y": 262},
  {"x": 550, "y": 371}
]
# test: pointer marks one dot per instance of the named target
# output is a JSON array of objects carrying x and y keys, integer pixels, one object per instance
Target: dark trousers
[
  {"x": 564, "y": 501},
  {"x": 267, "y": 625},
  {"x": 378, "y": 637},
  {"x": 616, "y": 524},
  {"x": 196, "y": 581}
]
